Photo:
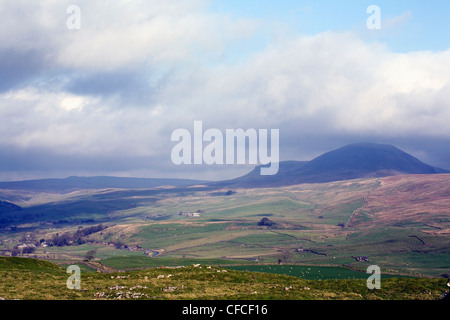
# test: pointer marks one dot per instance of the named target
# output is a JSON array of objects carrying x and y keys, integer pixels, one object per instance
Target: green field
[
  {"x": 310, "y": 272},
  {"x": 31, "y": 279},
  {"x": 139, "y": 262}
]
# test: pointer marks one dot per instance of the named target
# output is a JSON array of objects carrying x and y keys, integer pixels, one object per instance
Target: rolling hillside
[
  {"x": 42, "y": 280},
  {"x": 102, "y": 182},
  {"x": 400, "y": 221}
]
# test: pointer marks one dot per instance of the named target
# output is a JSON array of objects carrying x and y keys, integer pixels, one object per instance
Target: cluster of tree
[
  {"x": 286, "y": 255},
  {"x": 16, "y": 251},
  {"x": 266, "y": 222},
  {"x": 119, "y": 244},
  {"x": 78, "y": 237}
]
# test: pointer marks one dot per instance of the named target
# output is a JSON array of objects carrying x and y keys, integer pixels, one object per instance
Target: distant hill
[
  {"x": 353, "y": 161},
  {"x": 6, "y": 206},
  {"x": 11, "y": 264},
  {"x": 101, "y": 182},
  {"x": 254, "y": 177}
]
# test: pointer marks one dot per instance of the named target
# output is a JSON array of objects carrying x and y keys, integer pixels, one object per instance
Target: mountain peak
[{"x": 352, "y": 161}]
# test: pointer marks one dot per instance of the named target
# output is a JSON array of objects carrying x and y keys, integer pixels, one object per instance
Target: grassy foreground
[{"x": 30, "y": 279}]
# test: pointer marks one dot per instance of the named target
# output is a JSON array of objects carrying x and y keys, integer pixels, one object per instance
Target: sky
[{"x": 99, "y": 89}]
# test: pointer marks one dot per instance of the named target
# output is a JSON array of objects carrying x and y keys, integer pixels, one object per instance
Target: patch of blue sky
[{"x": 406, "y": 25}]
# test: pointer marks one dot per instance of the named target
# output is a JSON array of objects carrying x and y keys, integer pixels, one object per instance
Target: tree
[
  {"x": 28, "y": 249},
  {"x": 266, "y": 222},
  {"x": 90, "y": 254},
  {"x": 15, "y": 251},
  {"x": 286, "y": 254}
]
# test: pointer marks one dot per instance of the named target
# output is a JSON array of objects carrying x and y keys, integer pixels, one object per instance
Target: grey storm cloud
[
  {"x": 105, "y": 98},
  {"x": 18, "y": 67},
  {"x": 130, "y": 87}
]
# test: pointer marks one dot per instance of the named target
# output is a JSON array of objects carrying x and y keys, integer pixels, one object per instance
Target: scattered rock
[{"x": 117, "y": 287}]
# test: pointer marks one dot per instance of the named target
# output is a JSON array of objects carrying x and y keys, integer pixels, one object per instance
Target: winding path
[{"x": 354, "y": 213}]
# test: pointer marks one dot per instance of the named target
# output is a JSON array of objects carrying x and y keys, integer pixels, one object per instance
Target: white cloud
[
  {"x": 71, "y": 124},
  {"x": 117, "y": 35},
  {"x": 363, "y": 88},
  {"x": 330, "y": 83},
  {"x": 395, "y": 22}
]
